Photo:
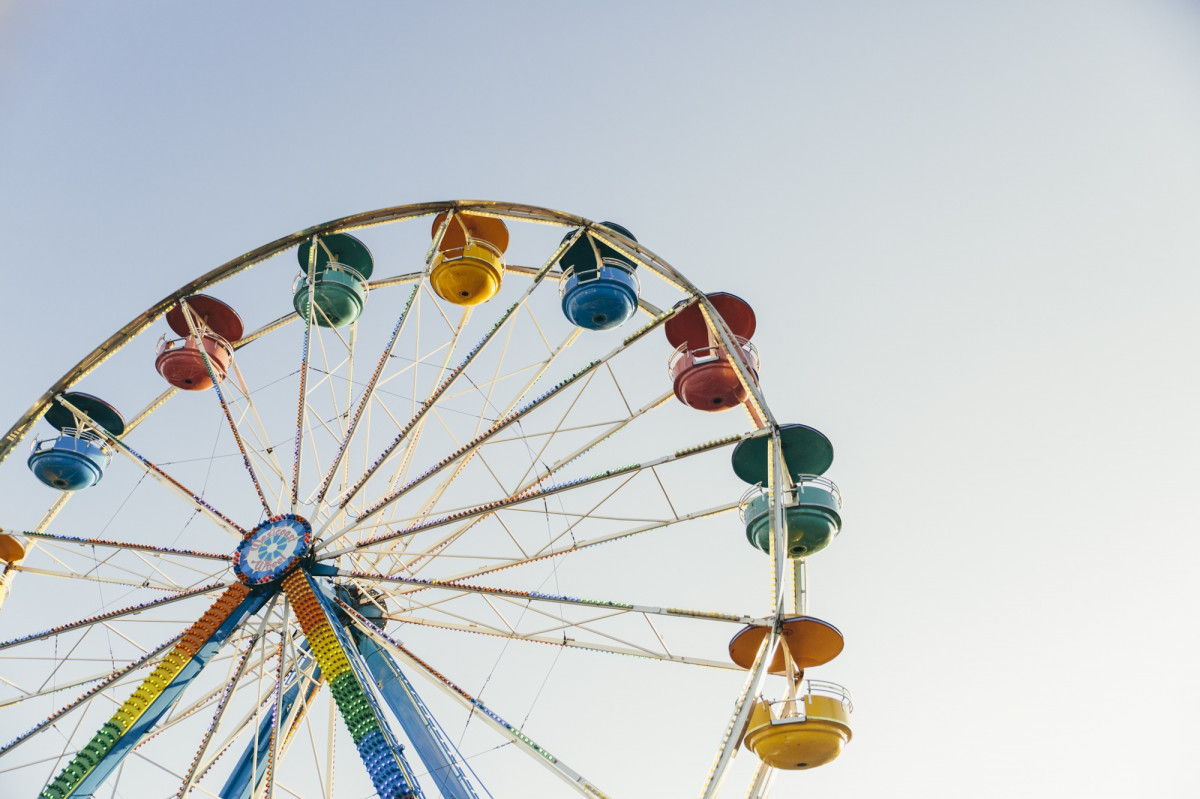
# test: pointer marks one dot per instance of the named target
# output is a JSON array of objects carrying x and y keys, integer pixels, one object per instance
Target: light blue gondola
[
  {"x": 77, "y": 457},
  {"x": 599, "y": 287}
]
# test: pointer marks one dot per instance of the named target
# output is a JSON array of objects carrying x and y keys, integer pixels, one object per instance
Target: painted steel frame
[{"x": 755, "y": 405}]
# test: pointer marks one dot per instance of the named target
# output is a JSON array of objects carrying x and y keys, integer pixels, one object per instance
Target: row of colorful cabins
[{"x": 599, "y": 290}]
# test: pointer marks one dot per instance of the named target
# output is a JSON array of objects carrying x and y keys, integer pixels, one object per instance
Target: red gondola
[
  {"x": 703, "y": 376},
  {"x": 180, "y": 360}
]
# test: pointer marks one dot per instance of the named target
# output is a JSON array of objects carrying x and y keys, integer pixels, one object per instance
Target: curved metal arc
[
  {"x": 117, "y": 340},
  {"x": 755, "y": 404},
  {"x": 65, "y": 497},
  {"x": 779, "y": 551},
  {"x": 645, "y": 257}
]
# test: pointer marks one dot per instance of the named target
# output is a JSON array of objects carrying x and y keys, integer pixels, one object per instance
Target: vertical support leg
[
  {"x": 134, "y": 720},
  {"x": 800, "y": 585},
  {"x": 251, "y": 767},
  {"x": 432, "y": 747},
  {"x": 348, "y": 682}
]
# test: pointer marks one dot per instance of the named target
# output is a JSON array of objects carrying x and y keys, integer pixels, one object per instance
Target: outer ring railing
[
  {"x": 166, "y": 343},
  {"x": 791, "y": 495},
  {"x": 331, "y": 266},
  {"x": 471, "y": 242},
  {"x": 712, "y": 353},
  {"x": 596, "y": 272},
  {"x": 793, "y": 708},
  {"x": 38, "y": 445}
]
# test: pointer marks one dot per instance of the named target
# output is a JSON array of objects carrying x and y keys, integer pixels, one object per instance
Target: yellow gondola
[
  {"x": 807, "y": 731},
  {"x": 469, "y": 265}
]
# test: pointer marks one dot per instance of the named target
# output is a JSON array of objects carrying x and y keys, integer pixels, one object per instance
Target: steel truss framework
[{"x": 439, "y": 456}]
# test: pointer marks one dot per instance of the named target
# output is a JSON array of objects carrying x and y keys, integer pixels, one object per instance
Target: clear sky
[{"x": 969, "y": 232}]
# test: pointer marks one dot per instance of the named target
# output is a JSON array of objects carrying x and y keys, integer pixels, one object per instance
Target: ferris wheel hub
[{"x": 272, "y": 549}]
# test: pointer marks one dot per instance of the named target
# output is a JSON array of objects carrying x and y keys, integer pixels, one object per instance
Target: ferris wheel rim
[
  {"x": 352, "y": 222},
  {"x": 517, "y": 211}
]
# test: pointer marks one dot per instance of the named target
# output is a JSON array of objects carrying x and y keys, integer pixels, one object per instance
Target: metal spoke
[
  {"x": 481, "y": 629},
  {"x": 463, "y": 454},
  {"x": 230, "y": 687},
  {"x": 369, "y": 390},
  {"x": 277, "y": 721},
  {"x": 529, "y": 496},
  {"x": 233, "y": 428},
  {"x": 760, "y": 785},
  {"x": 90, "y": 693},
  {"x": 506, "y": 421},
  {"x": 410, "y": 433},
  {"x": 192, "y": 498},
  {"x": 741, "y": 715},
  {"x": 314, "y": 242},
  {"x": 528, "y": 483},
  {"x": 125, "y": 545},
  {"x": 114, "y": 614},
  {"x": 508, "y": 731},
  {"x": 542, "y": 367},
  {"x": 564, "y": 600},
  {"x": 587, "y": 544},
  {"x": 448, "y": 381},
  {"x": 71, "y": 575},
  {"x": 264, "y": 440}
]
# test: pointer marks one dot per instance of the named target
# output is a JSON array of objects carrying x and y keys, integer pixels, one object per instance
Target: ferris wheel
[{"x": 272, "y": 543}]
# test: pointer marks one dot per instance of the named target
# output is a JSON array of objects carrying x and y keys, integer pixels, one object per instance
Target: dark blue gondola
[
  {"x": 599, "y": 286},
  {"x": 77, "y": 457}
]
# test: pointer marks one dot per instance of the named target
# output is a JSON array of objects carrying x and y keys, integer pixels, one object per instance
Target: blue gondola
[
  {"x": 599, "y": 287},
  {"x": 77, "y": 457}
]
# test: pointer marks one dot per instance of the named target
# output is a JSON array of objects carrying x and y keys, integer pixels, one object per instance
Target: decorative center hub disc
[{"x": 272, "y": 549}]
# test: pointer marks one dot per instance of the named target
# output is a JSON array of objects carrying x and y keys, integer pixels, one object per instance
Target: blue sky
[{"x": 968, "y": 231}]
